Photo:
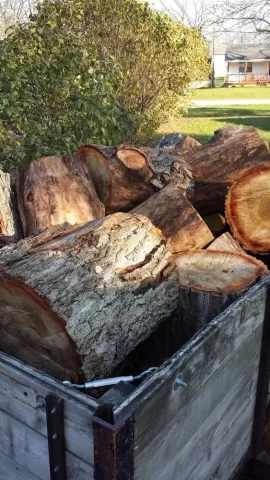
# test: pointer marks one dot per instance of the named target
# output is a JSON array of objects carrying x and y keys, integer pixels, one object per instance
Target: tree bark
[
  {"x": 248, "y": 209},
  {"x": 10, "y": 230},
  {"x": 173, "y": 214},
  {"x": 169, "y": 168},
  {"x": 218, "y": 163},
  {"x": 84, "y": 298},
  {"x": 209, "y": 281},
  {"x": 55, "y": 190},
  {"x": 123, "y": 173},
  {"x": 226, "y": 243}
]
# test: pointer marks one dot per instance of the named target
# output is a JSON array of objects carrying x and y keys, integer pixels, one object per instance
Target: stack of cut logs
[{"x": 99, "y": 248}]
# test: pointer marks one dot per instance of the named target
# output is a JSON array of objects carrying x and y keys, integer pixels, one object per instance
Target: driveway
[{"x": 212, "y": 103}]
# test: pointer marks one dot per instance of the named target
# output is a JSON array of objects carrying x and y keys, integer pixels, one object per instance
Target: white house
[{"x": 247, "y": 65}]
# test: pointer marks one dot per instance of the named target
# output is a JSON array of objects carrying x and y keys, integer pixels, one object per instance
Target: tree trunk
[
  {"x": 226, "y": 243},
  {"x": 218, "y": 163},
  {"x": 209, "y": 281},
  {"x": 122, "y": 173},
  {"x": 55, "y": 190},
  {"x": 248, "y": 209},
  {"x": 84, "y": 298},
  {"x": 10, "y": 230},
  {"x": 178, "y": 220}
]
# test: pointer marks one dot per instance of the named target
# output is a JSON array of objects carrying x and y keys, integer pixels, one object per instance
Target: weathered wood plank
[
  {"x": 199, "y": 427},
  {"x": 30, "y": 450},
  {"x": 227, "y": 332},
  {"x": 20, "y": 386},
  {"x": 233, "y": 457},
  {"x": 237, "y": 331},
  {"x": 10, "y": 470}
]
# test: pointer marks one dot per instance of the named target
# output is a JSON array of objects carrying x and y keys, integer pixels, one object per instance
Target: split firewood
[
  {"x": 55, "y": 190},
  {"x": 83, "y": 298},
  {"x": 209, "y": 281},
  {"x": 121, "y": 175},
  {"x": 218, "y": 163},
  {"x": 173, "y": 214},
  {"x": 226, "y": 243},
  {"x": 10, "y": 229},
  {"x": 248, "y": 209}
]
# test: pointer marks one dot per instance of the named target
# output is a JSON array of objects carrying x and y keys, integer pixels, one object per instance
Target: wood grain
[
  {"x": 55, "y": 190},
  {"x": 20, "y": 386},
  {"x": 196, "y": 427},
  {"x": 226, "y": 243},
  {"x": 30, "y": 450},
  {"x": 248, "y": 209},
  {"x": 10, "y": 470}
]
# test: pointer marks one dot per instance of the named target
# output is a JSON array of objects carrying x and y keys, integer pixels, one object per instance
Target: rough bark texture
[
  {"x": 178, "y": 220},
  {"x": 178, "y": 141},
  {"x": 169, "y": 168},
  {"x": 55, "y": 190},
  {"x": 209, "y": 282},
  {"x": 248, "y": 209},
  {"x": 102, "y": 279},
  {"x": 217, "y": 164},
  {"x": 9, "y": 220},
  {"x": 226, "y": 243},
  {"x": 130, "y": 176}
]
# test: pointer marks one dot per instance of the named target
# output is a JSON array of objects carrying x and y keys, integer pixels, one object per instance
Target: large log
[
  {"x": 55, "y": 190},
  {"x": 84, "y": 298},
  {"x": 121, "y": 174},
  {"x": 248, "y": 209},
  {"x": 10, "y": 229},
  {"x": 218, "y": 163},
  {"x": 209, "y": 281},
  {"x": 178, "y": 220}
]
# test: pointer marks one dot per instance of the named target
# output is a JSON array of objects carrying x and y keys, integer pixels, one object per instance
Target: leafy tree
[{"x": 92, "y": 71}]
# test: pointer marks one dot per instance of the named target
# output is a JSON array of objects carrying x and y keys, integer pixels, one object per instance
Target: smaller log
[
  {"x": 173, "y": 214},
  {"x": 54, "y": 191},
  {"x": 10, "y": 229},
  {"x": 121, "y": 174},
  {"x": 248, "y": 209},
  {"x": 176, "y": 141},
  {"x": 209, "y": 281},
  {"x": 226, "y": 243}
]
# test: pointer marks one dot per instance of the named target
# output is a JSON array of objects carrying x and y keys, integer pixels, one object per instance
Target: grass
[
  {"x": 203, "y": 128},
  {"x": 230, "y": 110},
  {"x": 234, "y": 93}
]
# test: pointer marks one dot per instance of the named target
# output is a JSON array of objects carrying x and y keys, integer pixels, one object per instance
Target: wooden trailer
[{"x": 200, "y": 416}]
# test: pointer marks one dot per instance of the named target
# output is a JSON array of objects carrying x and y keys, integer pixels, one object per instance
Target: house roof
[{"x": 247, "y": 52}]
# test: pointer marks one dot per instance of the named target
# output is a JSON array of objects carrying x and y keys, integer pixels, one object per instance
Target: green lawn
[
  {"x": 203, "y": 128},
  {"x": 232, "y": 93},
  {"x": 229, "y": 110}
]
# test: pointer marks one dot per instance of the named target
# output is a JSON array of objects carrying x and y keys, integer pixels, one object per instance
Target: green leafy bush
[{"x": 98, "y": 71}]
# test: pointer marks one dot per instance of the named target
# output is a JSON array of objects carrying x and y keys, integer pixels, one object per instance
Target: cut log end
[
  {"x": 131, "y": 157},
  {"x": 218, "y": 272},
  {"x": 31, "y": 332},
  {"x": 248, "y": 209}
]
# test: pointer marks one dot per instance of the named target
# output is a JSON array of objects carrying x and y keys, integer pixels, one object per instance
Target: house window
[{"x": 242, "y": 67}]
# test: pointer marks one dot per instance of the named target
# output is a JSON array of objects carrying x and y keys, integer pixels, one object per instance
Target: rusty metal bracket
[
  {"x": 56, "y": 437},
  {"x": 113, "y": 446}
]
